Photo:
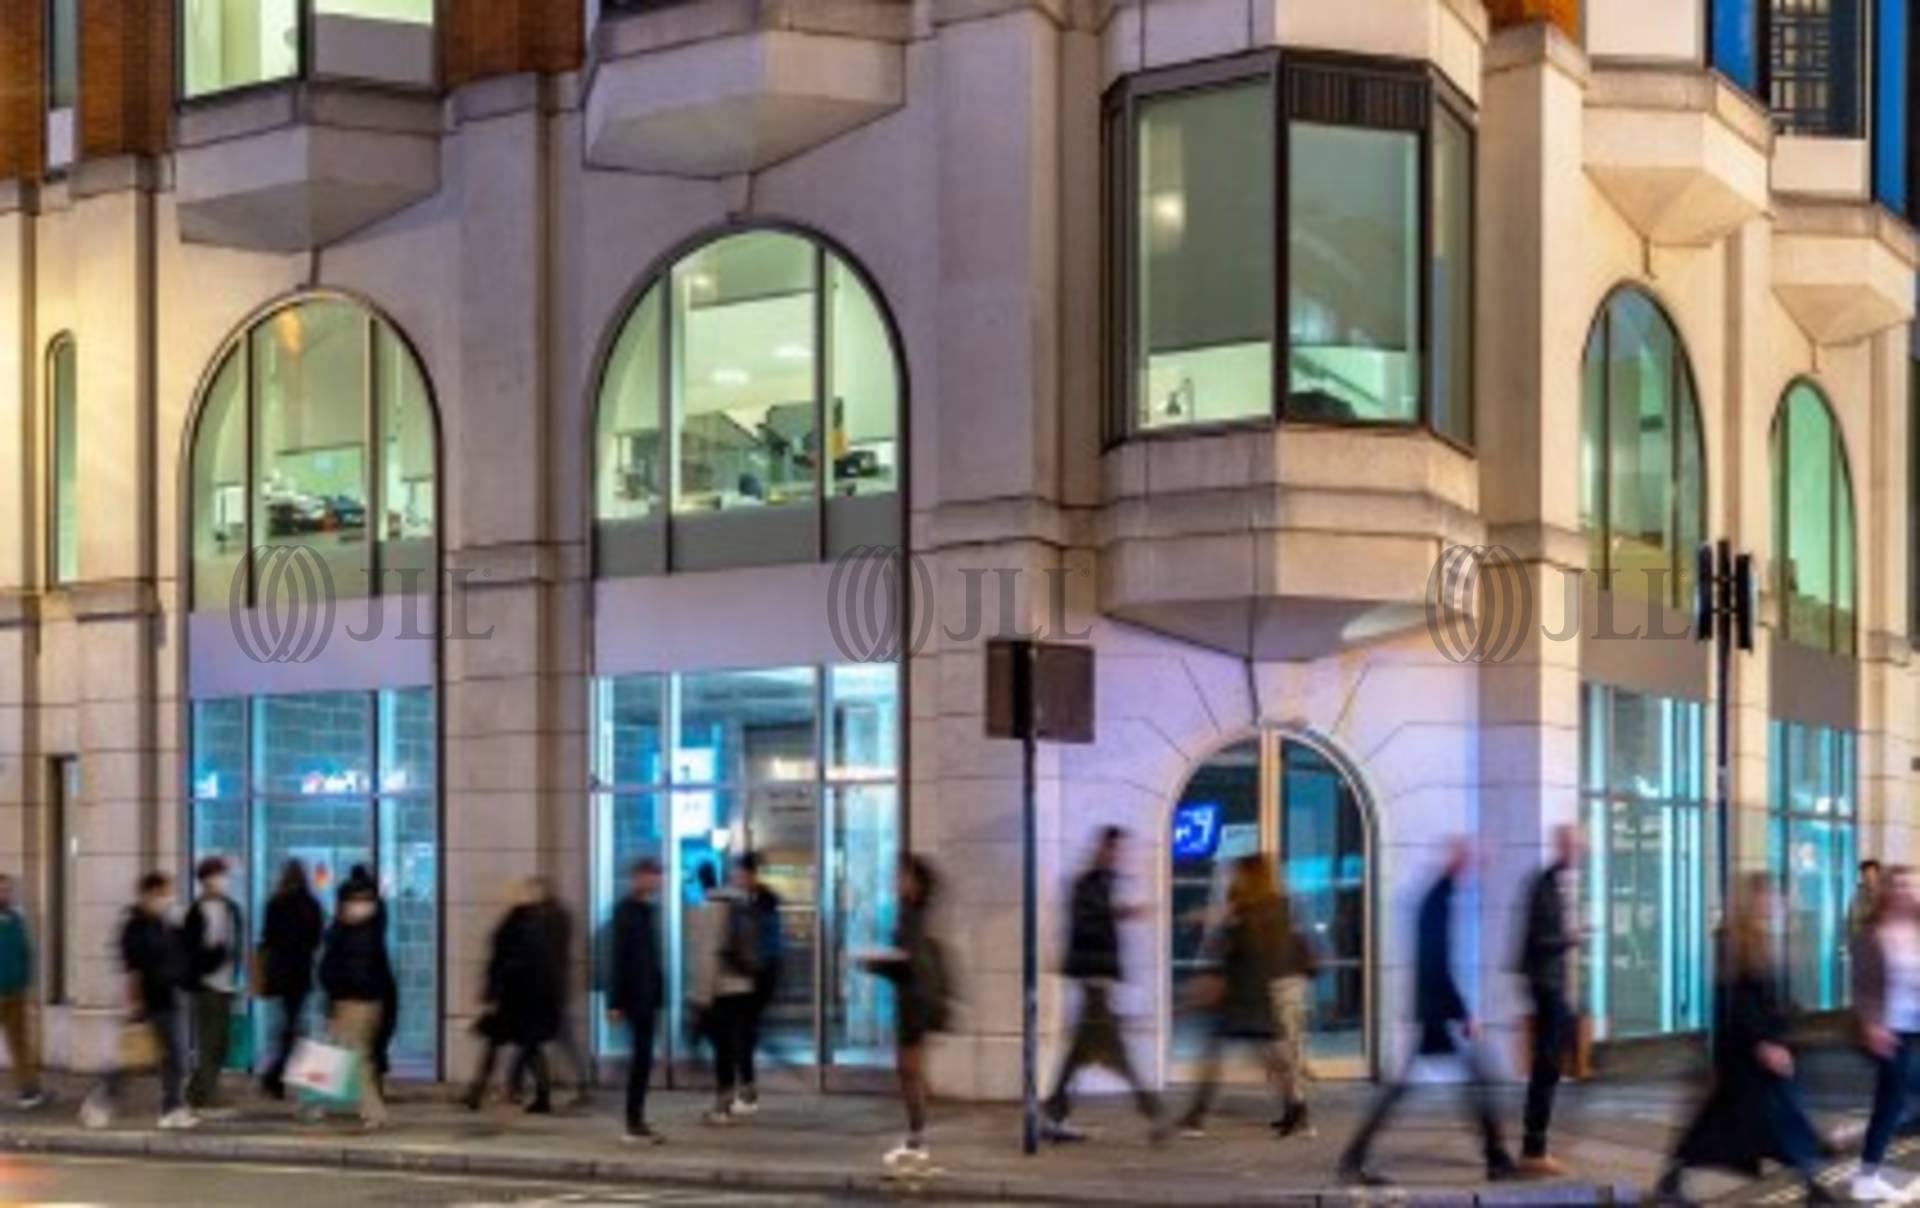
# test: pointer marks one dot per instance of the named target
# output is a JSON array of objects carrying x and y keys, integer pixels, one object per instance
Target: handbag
[
  {"x": 324, "y": 1073},
  {"x": 136, "y": 1047}
]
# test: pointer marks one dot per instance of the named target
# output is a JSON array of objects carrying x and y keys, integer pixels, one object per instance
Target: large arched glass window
[
  {"x": 1642, "y": 488},
  {"x": 63, "y": 447},
  {"x": 316, "y": 430},
  {"x": 749, "y": 412},
  {"x": 1813, "y": 554}
]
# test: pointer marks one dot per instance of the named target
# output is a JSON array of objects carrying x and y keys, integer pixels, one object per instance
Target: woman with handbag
[{"x": 357, "y": 978}]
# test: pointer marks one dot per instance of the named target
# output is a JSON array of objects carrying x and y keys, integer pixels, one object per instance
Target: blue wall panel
[
  {"x": 1890, "y": 133},
  {"x": 1736, "y": 41}
]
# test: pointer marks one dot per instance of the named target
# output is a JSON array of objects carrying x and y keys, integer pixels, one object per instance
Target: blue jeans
[{"x": 1892, "y": 1083}]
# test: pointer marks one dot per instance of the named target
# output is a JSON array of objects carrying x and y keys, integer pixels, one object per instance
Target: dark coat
[
  {"x": 636, "y": 981},
  {"x": 521, "y": 980},
  {"x": 289, "y": 938},
  {"x": 1437, "y": 1002},
  {"x": 557, "y": 921},
  {"x": 1093, "y": 937},
  {"x": 150, "y": 950},
  {"x": 203, "y": 958},
  {"x": 354, "y": 966},
  {"x": 918, "y": 972},
  {"x": 1751, "y": 1113},
  {"x": 1549, "y": 939},
  {"x": 1251, "y": 947}
]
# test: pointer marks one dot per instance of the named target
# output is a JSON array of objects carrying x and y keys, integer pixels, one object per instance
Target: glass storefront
[
  {"x": 798, "y": 764},
  {"x": 1284, "y": 797},
  {"x": 332, "y": 780},
  {"x": 1643, "y": 796},
  {"x": 1811, "y": 848}
]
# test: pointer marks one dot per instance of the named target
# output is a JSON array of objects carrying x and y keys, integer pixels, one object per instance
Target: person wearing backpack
[
  {"x": 923, "y": 994},
  {"x": 770, "y": 944},
  {"x": 722, "y": 956}
]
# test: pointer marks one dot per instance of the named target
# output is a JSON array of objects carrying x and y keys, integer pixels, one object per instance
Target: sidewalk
[{"x": 1612, "y": 1136}]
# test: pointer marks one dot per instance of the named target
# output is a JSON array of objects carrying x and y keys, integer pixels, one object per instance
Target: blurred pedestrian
[
  {"x": 155, "y": 965},
  {"x": 382, "y": 1054},
  {"x": 636, "y": 986},
  {"x": 289, "y": 941},
  {"x": 556, "y": 921},
  {"x": 215, "y": 939},
  {"x": 722, "y": 953},
  {"x": 1546, "y": 951},
  {"x": 1093, "y": 961},
  {"x": 1752, "y": 1110},
  {"x": 357, "y": 977},
  {"x": 1447, "y": 1029},
  {"x": 1292, "y": 994},
  {"x": 1247, "y": 949},
  {"x": 922, "y": 994},
  {"x": 771, "y": 941},
  {"x": 1886, "y": 998},
  {"x": 16, "y": 1007},
  {"x": 1866, "y": 897},
  {"x": 523, "y": 1001}
]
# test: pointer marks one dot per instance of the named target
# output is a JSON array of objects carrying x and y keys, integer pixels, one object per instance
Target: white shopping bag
[{"x": 324, "y": 1073}]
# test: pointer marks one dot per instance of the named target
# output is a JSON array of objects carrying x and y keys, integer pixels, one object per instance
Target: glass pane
[
  {"x": 1640, "y": 374},
  {"x": 1809, "y": 563},
  {"x": 406, "y": 469},
  {"x": 631, "y": 472},
  {"x": 64, "y": 397},
  {"x": 220, "y": 488},
  {"x": 707, "y": 830},
  {"x": 411, "y": 12},
  {"x": 1815, "y": 922},
  {"x": 1593, "y": 437},
  {"x": 219, "y": 748},
  {"x": 63, "y": 53},
  {"x": 318, "y": 744},
  {"x": 628, "y": 740},
  {"x": 1692, "y": 503},
  {"x": 329, "y": 835},
  {"x": 1452, "y": 276},
  {"x": 409, "y": 883},
  {"x": 1216, "y": 821},
  {"x": 234, "y": 43},
  {"x": 866, "y": 852},
  {"x": 1353, "y": 251},
  {"x": 1204, "y": 256},
  {"x": 863, "y": 718},
  {"x": 1843, "y": 555},
  {"x": 625, "y": 828},
  {"x": 1324, "y": 852},
  {"x": 740, "y": 727},
  {"x": 311, "y": 374},
  {"x": 782, "y": 826},
  {"x": 744, "y": 414},
  {"x": 863, "y": 392},
  {"x": 220, "y": 829},
  {"x": 406, "y": 741}
]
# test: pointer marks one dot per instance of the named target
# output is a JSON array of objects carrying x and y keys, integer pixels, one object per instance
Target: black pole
[
  {"x": 1727, "y": 619},
  {"x": 1024, "y": 655}
]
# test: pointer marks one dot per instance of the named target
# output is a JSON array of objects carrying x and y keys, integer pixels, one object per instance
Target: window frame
[
  {"x": 52, "y": 64},
  {"x": 1780, "y": 465},
  {"x": 62, "y": 343},
  {"x": 1119, "y": 176}
]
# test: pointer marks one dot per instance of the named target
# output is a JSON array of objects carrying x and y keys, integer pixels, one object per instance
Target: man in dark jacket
[
  {"x": 523, "y": 1001},
  {"x": 215, "y": 941},
  {"x": 1545, "y": 953},
  {"x": 1445, "y": 1022},
  {"x": 636, "y": 987},
  {"x": 16, "y": 1008},
  {"x": 557, "y": 921},
  {"x": 289, "y": 939},
  {"x": 770, "y": 940},
  {"x": 1093, "y": 960},
  {"x": 382, "y": 1055},
  {"x": 155, "y": 965},
  {"x": 357, "y": 978}
]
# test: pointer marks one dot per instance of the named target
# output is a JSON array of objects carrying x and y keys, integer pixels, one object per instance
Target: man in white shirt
[{"x": 214, "y": 939}]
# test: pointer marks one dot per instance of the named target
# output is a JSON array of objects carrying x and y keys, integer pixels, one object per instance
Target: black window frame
[{"x": 1366, "y": 83}]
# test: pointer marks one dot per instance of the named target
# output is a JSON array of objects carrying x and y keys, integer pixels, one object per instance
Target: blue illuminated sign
[{"x": 1196, "y": 830}]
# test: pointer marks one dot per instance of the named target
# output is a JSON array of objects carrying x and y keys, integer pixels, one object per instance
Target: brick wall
[
  {"x": 1564, "y": 13},
  {"x": 481, "y": 38},
  {"x": 126, "y": 76},
  {"x": 22, "y": 88}
]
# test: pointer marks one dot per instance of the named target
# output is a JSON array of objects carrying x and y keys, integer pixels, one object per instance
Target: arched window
[
  {"x": 721, "y": 382},
  {"x": 63, "y": 448},
  {"x": 316, "y": 430},
  {"x": 1642, "y": 487},
  {"x": 1813, "y": 555}
]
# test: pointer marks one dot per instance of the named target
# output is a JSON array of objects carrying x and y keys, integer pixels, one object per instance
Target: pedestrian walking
[
  {"x": 523, "y": 1001},
  {"x": 1447, "y": 1029},
  {"x": 289, "y": 941},
  {"x": 722, "y": 952},
  {"x": 557, "y": 923},
  {"x": 1546, "y": 950},
  {"x": 382, "y": 1056},
  {"x": 1866, "y": 896},
  {"x": 16, "y": 1008},
  {"x": 1247, "y": 948},
  {"x": 1752, "y": 1110},
  {"x": 771, "y": 941},
  {"x": 155, "y": 964},
  {"x": 1886, "y": 999},
  {"x": 1292, "y": 994},
  {"x": 922, "y": 996},
  {"x": 215, "y": 939},
  {"x": 636, "y": 986},
  {"x": 357, "y": 978},
  {"x": 1093, "y": 962}
]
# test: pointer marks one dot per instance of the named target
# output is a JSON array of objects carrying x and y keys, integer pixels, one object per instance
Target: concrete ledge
[{"x": 1682, "y": 154}]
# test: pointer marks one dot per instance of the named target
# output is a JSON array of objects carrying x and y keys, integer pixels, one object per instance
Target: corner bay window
[
  {"x": 1377, "y": 208},
  {"x": 232, "y": 44}
]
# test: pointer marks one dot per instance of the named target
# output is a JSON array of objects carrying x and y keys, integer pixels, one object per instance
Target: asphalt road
[{"x": 55, "y": 1182}]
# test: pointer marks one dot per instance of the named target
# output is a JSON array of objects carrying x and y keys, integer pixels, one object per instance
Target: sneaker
[
  {"x": 642, "y": 1135},
  {"x": 718, "y": 1116},
  {"x": 95, "y": 1113},
  {"x": 1295, "y": 1122},
  {"x": 1060, "y": 1132},
  {"x": 30, "y": 1100},
  {"x": 1872, "y": 1189},
  {"x": 179, "y": 1119},
  {"x": 744, "y": 1106},
  {"x": 906, "y": 1156},
  {"x": 1193, "y": 1130},
  {"x": 1353, "y": 1174}
]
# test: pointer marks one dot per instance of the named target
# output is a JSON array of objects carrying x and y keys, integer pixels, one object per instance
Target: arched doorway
[{"x": 1289, "y": 797}]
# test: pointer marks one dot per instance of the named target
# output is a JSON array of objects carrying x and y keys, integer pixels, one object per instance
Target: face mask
[
  {"x": 357, "y": 911},
  {"x": 155, "y": 906},
  {"x": 217, "y": 886}
]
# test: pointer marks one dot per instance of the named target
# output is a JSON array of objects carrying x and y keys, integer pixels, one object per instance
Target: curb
[{"x": 178, "y": 1147}]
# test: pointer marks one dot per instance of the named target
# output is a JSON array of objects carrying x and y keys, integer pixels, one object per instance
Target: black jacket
[
  {"x": 922, "y": 991},
  {"x": 203, "y": 958},
  {"x": 1437, "y": 1002},
  {"x": 1549, "y": 938},
  {"x": 150, "y": 949},
  {"x": 636, "y": 982},
  {"x": 557, "y": 921},
  {"x": 1093, "y": 939},
  {"x": 354, "y": 967},
  {"x": 1751, "y": 1113},
  {"x": 289, "y": 938},
  {"x": 1251, "y": 947},
  {"x": 521, "y": 981}
]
